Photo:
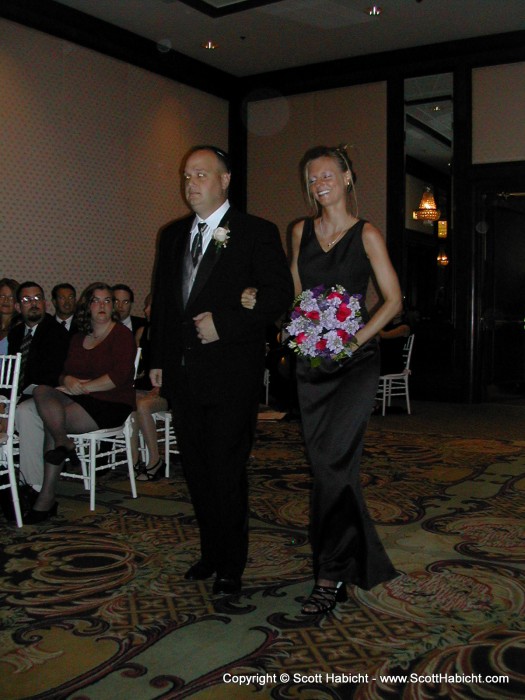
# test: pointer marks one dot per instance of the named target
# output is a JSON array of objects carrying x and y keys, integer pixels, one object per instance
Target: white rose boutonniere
[{"x": 221, "y": 236}]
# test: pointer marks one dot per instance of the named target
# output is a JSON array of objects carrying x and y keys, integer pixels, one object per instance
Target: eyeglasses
[
  {"x": 29, "y": 300},
  {"x": 107, "y": 301},
  {"x": 122, "y": 302},
  {"x": 6, "y": 297}
]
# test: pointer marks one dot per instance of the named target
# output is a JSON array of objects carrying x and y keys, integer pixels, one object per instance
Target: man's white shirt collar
[
  {"x": 127, "y": 322},
  {"x": 212, "y": 222},
  {"x": 68, "y": 321}
]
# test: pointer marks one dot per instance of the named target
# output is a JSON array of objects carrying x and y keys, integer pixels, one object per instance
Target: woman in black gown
[{"x": 336, "y": 399}]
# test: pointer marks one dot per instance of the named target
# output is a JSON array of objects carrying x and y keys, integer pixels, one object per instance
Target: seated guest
[
  {"x": 8, "y": 315},
  {"x": 8, "y": 318},
  {"x": 96, "y": 389},
  {"x": 42, "y": 342},
  {"x": 123, "y": 298},
  {"x": 149, "y": 401},
  {"x": 64, "y": 298}
]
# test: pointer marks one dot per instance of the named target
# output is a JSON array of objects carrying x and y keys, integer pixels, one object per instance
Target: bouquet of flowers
[{"x": 323, "y": 324}]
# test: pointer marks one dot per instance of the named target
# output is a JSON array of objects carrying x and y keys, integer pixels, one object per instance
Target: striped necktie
[
  {"x": 24, "y": 350},
  {"x": 196, "y": 247}
]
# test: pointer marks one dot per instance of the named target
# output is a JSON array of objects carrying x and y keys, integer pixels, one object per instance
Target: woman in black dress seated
[
  {"x": 335, "y": 247},
  {"x": 96, "y": 389}
]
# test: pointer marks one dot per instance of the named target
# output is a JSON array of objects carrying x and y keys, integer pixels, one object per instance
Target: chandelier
[{"x": 427, "y": 210}]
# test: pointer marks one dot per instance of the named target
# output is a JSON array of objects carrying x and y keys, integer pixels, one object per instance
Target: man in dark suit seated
[
  {"x": 208, "y": 352},
  {"x": 123, "y": 298},
  {"x": 64, "y": 298},
  {"x": 44, "y": 344}
]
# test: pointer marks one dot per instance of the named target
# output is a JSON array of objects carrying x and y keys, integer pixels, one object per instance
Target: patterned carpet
[{"x": 95, "y": 607}]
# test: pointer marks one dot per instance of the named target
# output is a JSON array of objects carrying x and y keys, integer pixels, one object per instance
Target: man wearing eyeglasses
[
  {"x": 49, "y": 341},
  {"x": 44, "y": 344}
]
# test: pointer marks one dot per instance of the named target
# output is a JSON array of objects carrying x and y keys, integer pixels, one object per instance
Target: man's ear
[{"x": 225, "y": 180}]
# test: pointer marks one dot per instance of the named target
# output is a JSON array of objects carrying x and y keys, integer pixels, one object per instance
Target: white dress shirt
[
  {"x": 212, "y": 222},
  {"x": 66, "y": 322},
  {"x": 127, "y": 322}
]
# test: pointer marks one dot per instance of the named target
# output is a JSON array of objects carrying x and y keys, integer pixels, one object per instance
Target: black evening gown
[{"x": 336, "y": 401}]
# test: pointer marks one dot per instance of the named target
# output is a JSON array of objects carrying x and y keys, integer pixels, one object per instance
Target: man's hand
[
  {"x": 206, "y": 331},
  {"x": 155, "y": 376},
  {"x": 249, "y": 297}
]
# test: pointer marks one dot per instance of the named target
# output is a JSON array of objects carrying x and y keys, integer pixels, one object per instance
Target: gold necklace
[
  {"x": 102, "y": 335},
  {"x": 331, "y": 243}
]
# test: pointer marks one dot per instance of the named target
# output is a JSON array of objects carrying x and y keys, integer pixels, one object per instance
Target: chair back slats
[
  {"x": 391, "y": 385},
  {"x": 407, "y": 351},
  {"x": 9, "y": 373}
]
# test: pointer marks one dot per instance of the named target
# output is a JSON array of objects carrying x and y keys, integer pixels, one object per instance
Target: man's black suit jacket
[
  {"x": 136, "y": 323},
  {"x": 47, "y": 352},
  {"x": 254, "y": 257}
]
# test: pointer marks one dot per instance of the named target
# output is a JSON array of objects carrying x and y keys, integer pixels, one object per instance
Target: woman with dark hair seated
[
  {"x": 8, "y": 315},
  {"x": 96, "y": 389}
]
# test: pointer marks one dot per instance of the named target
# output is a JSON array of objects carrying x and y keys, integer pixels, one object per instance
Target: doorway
[
  {"x": 500, "y": 228},
  {"x": 427, "y": 279}
]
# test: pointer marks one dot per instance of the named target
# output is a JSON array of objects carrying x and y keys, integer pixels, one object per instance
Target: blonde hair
[{"x": 340, "y": 155}]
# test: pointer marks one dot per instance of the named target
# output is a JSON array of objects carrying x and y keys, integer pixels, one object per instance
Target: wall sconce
[
  {"x": 442, "y": 229},
  {"x": 442, "y": 258},
  {"x": 427, "y": 208}
]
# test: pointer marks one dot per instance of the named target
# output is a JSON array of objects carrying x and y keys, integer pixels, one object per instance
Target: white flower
[{"x": 221, "y": 236}]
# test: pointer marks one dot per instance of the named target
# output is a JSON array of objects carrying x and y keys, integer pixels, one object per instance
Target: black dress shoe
[
  {"x": 35, "y": 517},
  {"x": 199, "y": 571},
  {"x": 59, "y": 455},
  {"x": 227, "y": 585}
]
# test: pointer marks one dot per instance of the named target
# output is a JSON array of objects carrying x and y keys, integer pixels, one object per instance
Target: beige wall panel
[
  {"x": 498, "y": 113},
  {"x": 282, "y": 129},
  {"x": 91, "y": 149}
]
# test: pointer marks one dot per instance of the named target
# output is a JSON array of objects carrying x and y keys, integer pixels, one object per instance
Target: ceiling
[
  {"x": 290, "y": 33},
  {"x": 259, "y": 36}
]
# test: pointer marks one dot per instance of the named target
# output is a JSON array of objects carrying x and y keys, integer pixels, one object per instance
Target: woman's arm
[
  {"x": 387, "y": 280},
  {"x": 73, "y": 385},
  {"x": 249, "y": 295},
  {"x": 103, "y": 383},
  {"x": 402, "y": 331},
  {"x": 138, "y": 335},
  {"x": 297, "y": 234}
]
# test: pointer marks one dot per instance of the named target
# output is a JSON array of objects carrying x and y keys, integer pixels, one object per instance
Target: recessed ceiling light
[
  {"x": 210, "y": 45},
  {"x": 374, "y": 11}
]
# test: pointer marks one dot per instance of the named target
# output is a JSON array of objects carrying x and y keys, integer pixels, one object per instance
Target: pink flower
[
  {"x": 314, "y": 315},
  {"x": 343, "y": 335},
  {"x": 343, "y": 312},
  {"x": 321, "y": 344},
  {"x": 300, "y": 338}
]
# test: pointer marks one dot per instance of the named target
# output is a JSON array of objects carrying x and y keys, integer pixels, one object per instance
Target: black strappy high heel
[
  {"x": 154, "y": 473},
  {"x": 323, "y": 599}
]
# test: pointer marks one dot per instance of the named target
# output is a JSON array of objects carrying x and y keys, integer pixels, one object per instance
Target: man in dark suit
[
  {"x": 208, "y": 352},
  {"x": 64, "y": 298},
  {"x": 123, "y": 298},
  {"x": 49, "y": 340},
  {"x": 43, "y": 363}
]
